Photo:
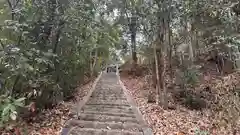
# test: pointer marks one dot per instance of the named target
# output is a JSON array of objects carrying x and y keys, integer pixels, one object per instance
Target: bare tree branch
[{"x": 1, "y": 43}]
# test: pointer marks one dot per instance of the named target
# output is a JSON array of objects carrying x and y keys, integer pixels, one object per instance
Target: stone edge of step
[
  {"x": 110, "y": 114},
  {"x": 86, "y": 98},
  {"x": 64, "y": 130},
  {"x": 147, "y": 130},
  {"x": 106, "y": 125},
  {"x": 107, "y": 118},
  {"x": 108, "y": 131}
]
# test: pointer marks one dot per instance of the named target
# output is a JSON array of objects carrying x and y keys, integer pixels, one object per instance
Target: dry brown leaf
[
  {"x": 167, "y": 122},
  {"x": 180, "y": 133}
]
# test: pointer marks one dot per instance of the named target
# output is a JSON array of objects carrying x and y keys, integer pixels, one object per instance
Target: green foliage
[
  {"x": 8, "y": 108},
  {"x": 201, "y": 132},
  {"x": 190, "y": 76},
  {"x": 48, "y": 47}
]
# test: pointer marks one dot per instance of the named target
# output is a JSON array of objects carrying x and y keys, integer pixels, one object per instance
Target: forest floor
[
  {"x": 50, "y": 121},
  {"x": 180, "y": 120},
  {"x": 164, "y": 122}
]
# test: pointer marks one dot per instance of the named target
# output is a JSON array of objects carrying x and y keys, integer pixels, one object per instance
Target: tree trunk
[
  {"x": 170, "y": 47},
  {"x": 154, "y": 75},
  {"x": 164, "y": 92},
  {"x": 94, "y": 63},
  {"x": 134, "y": 53},
  {"x": 190, "y": 41},
  {"x": 158, "y": 85},
  {"x": 133, "y": 30},
  {"x": 163, "y": 48},
  {"x": 196, "y": 44}
]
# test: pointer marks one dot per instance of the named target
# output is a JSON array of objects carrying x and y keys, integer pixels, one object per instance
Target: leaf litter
[{"x": 180, "y": 121}]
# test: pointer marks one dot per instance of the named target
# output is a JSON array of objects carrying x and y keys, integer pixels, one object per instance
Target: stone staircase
[{"x": 107, "y": 111}]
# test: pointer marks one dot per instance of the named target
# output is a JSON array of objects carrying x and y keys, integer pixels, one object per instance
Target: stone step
[
  {"x": 131, "y": 115},
  {"x": 91, "y": 131},
  {"x": 106, "y": 118},
  {"x": 107, "y": 96},
  {"x": 104, "y": 125},
  {"x": 114, "y": 102},
  {"x": 111, "y": 110},
  {"x": 109, "y": 105},
  {"x": 110, "y": 98},
  {"x": 108, "y": 92},
  {"x": 108, "y": 110},
  {"x": 111, "y": 89}
]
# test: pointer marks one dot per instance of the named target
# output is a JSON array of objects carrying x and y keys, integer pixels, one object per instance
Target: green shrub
[
  {"x": 8, "y": 108},
  {"x": 201, "y": 132},
  {"x": 190, "y": 76}
]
